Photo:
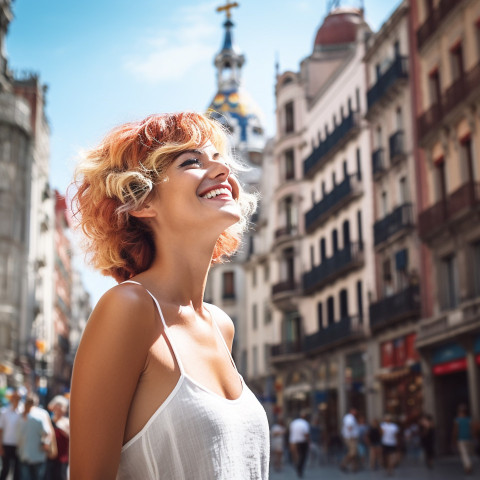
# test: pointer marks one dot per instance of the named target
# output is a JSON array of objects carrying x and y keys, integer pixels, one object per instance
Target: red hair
[{"x": 120, "y": 174}]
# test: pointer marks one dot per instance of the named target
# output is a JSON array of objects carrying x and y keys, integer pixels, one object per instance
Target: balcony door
[{"x": 292, "y": 328}]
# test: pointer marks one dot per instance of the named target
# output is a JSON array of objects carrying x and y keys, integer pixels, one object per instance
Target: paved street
[{"x": 445, "y": 469}]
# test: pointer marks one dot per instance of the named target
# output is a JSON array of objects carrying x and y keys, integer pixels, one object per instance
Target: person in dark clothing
[
  {"x": 374, "y": 439},
  {"x": 299, "y": 441},
  {"x": 427, "y": 437}
]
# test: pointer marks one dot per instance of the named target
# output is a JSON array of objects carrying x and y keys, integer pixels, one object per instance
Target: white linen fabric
[
  {"x": 197, "y": 434},
  {"x": 299, "y": 430},
  {"x": 9, "y": 418},
  {"x": 350, "y": 426},
  {"x": 389, "y": 434}
]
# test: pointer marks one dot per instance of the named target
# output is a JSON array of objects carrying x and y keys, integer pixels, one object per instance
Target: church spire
[{"x": 229, "y": 60}]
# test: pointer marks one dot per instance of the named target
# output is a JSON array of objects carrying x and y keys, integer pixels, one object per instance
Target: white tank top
[{"x": 197, "y": 434}]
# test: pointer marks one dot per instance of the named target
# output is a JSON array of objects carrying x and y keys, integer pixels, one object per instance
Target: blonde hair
[{"x": 119, "y": 176}]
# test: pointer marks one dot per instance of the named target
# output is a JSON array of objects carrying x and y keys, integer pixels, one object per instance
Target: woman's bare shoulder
[
  {"x": 124, "y": 310},
  {"x": 224, "y": 322}
]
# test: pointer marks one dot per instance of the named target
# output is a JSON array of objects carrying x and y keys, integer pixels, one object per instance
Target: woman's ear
[{"x": 146, "y": 212}]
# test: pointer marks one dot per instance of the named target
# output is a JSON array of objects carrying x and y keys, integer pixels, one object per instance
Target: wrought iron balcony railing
[
  {"x": 402, "y": 305},
  {"x": 399, "y": 219},
  {"x": 331, "y": 144},
  {"x": 396, "y": 71},
  {"x": 339, "y": 263}
]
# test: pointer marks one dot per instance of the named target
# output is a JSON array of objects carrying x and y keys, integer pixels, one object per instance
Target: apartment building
[
  {"x": 325, "y": 262},
  {"x": 446, "y": 69},
  {"x": 394, "y": 308}
]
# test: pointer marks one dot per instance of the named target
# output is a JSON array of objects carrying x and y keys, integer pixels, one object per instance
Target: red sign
[
  {"x": 387, "y": 351},
  {"x": 450, "y": 367},
  {"x": 478, "y": 358},
  {"x": 411, "y": 351}
]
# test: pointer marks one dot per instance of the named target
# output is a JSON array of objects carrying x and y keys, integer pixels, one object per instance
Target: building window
[
  {"x": 228, "y": 285},
  {"x": 384, "y": 204},
  {"x": 343, "y": 304},
  {"x": 289, "y": 118},
  {"x": 450, "y": 298},
  {"x": 476, "y": 268},
  {"x": 254, "y": 316},
  {"x": 323, "y": 250},
  {"x": 289, "y": 164},
  {"x": 255, "y": 360},
  {"x": 360, "y": 299},
  {"x": 267, "y": 314},
  {"x": 346, "y": 233},
  {"x": 266, "y": 272},
  {"x": 360, "y": 228},
  {"x": 434, "y": 87},
  {"x": 312, "y": 256},
  {"x": 399, "y": 119},
  {"x": 466, "y": 155},
  {"x": 359, "y": 165},
  {"x": 320, "y": 315},
  {"x": 387, "y": 278},
  {"x": 456, "y": 61},
  {"x": 440, "y": 180},
  {"x": 330, "y": 310},
  {"x": 254, "y": 277},
  {"x": 403, "y": 190},
  {"x": 335, "y": 241}
]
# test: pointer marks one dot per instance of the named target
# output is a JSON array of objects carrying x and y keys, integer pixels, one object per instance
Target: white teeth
[{"x": 218, "y": 191}]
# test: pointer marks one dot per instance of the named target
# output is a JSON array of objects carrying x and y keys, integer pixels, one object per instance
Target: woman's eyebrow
[{"x": 195, "y": 151}]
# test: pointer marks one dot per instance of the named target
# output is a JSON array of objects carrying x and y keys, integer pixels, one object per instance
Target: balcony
[
  {"x": 400, "y": 219},
  {"x": 346, "y": 330},
  {"x": 342, "y": 262},
  {"x": 434, "y": 20},
  {"x": 287, "y": 351},
  {"x": 462, "y": 201},
  {"x": 396, "y": 143},
  {"x": 390, "y": 310},
  {"x": 398, "y": 70},
  {"x": 283, "y": 292},
  {"x": 345, "y": 191},
  {"x": 379, "y": 165},
  {"x": 334, "y": 141},
  {"x": 462, "y": 89},
  {"x": 462, "y": 321},
  {"x": 285, "y": 233}
]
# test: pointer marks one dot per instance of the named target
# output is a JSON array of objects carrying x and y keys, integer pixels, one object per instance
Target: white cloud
[{"x": 176, "y": 51}]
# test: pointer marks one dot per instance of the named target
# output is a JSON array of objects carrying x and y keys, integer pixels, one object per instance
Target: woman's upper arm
[{"x": 108, "y": 363}]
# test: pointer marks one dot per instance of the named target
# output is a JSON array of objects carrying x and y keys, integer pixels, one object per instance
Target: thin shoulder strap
[
  {"x": 223, "y": 340},
  {"x": 165, "y": 327}
]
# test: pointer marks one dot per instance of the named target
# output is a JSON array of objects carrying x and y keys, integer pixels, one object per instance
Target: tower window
[{"x": 289, "y": 120}]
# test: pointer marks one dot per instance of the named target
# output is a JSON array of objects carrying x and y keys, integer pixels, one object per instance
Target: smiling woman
[{"x": 155, "y": 392}]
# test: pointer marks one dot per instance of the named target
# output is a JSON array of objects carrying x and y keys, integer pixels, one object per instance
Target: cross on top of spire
[{"x": 226, "y": 8}]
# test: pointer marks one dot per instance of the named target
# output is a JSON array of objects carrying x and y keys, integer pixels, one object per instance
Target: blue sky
[{"x": 106, "y": 62}]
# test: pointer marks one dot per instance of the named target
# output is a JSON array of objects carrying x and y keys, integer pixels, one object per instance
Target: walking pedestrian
[
  {"x": 277, "y": 444},
  {"x": 463, "y": 432},
  {"x": 427, "y": 438},
  {"x": 9, "y": 418},
  {"x": 374, "y": 437},
  {"x": 36, "y": 440},
  {"x": 299, "y": 440},
  {"x": 350, "y": 437},
  {"x": 57, "y": 467},
  {"x": 155, "y": 391},
  {"x": 390, "y": 432},
  {"x": 362, "y": 441}
]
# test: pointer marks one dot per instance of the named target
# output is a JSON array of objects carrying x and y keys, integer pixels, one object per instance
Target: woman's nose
[{"x": 219, "y": 168}]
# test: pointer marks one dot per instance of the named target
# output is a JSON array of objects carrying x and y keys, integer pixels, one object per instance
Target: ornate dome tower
[{"x": 232, "y": 105}]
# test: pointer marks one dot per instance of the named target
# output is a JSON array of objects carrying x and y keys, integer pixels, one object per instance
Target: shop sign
[
  {"x": 450, "y": 367},
  {"x": 476, "y": 345},
  {"x": 410, "y": 349},
  {"x": 399, "y": 352},
  {"x": 448, "y": 353}
]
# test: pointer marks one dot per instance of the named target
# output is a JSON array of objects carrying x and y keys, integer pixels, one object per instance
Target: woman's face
[{"x": 197, "y": 192}]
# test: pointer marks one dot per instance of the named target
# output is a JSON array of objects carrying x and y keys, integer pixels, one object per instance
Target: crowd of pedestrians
[
  {"x": 34, "y": 442},
  {"x": 375, "y": 445}
]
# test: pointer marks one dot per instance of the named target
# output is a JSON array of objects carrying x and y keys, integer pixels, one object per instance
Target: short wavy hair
[{"x": 120, "y": 175}]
